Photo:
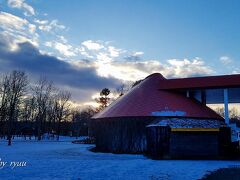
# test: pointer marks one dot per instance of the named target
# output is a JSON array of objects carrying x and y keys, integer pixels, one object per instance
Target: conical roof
[{"x": 145, "y": 99}]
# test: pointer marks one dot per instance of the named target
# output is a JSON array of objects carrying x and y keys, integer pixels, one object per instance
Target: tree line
[
  {"x": 40, "y": 106},
  {"x": 34, "y": 108}
]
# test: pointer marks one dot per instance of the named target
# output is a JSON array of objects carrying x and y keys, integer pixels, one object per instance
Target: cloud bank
[
  {"x": 38, "y": 46},
  {"x": 28, "y": 58}
]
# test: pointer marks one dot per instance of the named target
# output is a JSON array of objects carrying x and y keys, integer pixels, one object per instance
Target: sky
[{"x": 86, "y": 45}]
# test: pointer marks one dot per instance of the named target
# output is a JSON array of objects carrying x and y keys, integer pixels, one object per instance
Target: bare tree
[
  {"x": 123, "y": 89},
  {"x": 41, "y": 110},
  {"x": 16, "y": 86},
  {"x": 120, "y": 91},
  {"x": 42, "y": 94},
  {"x": 220, "y": 111},
  {"x": 52, "y": 117},
  {"x": 27, "y": 109},
  {"x": 4, "y": 85},
  {"x": 61, "y": 108},
  {"x": 233, "y": 113}
]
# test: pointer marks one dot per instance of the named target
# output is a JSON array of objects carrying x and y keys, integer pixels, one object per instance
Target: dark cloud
[{"x": 28, "y": 58}]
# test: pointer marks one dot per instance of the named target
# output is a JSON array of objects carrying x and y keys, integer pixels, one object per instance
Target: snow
[
  {"x": 235, "y": 132},
  {"x": 65, "y": 160},
  {"x": 46, "y": 137},
  {"x": 188, "y": 123},
  {"x": 169, "y": 113}
]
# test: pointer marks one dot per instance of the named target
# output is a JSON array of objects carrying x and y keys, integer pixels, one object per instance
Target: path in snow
[{"x": 64, "y": 160}]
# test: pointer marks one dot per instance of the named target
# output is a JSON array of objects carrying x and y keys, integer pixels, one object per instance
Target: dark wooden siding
[
  {"x": 130, "y": 135},
  {"x": 158, "y": 141},
  {"x": 189, "y": 144},
  {"x": 225, "y": 141},
  {"x": 121, "y": 135}
]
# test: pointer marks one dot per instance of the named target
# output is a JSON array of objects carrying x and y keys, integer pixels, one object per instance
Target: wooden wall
[
  {"x": 158, "y": 138},
  {"x": 189, "y": 144},
  {"x": 121, "y": 135},
  {"x": 162, "y": 143},
  {"x": 130, "y": 135}
]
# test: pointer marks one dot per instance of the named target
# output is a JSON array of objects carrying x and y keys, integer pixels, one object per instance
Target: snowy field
[{"x": 64, "y": 160}]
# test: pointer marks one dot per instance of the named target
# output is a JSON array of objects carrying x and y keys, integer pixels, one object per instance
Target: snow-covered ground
[
  {"x": 46, "y": 137},
  {"x": 64, "y": 160}
]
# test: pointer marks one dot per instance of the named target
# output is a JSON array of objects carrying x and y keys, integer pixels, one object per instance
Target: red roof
[
  {"x": 202, "y": 82},
  {"x": 146, "y": 99}
]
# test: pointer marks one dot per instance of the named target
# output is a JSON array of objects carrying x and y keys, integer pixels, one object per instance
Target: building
[{"x": 168, "y": 118}]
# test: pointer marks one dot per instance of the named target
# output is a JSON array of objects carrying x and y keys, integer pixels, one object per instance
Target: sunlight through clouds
[
  {"x": 91, "y": 45},
  {"x": 105, "y": 61}
]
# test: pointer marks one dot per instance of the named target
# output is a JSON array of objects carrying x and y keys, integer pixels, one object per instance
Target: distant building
[{"x": 169, "y": 118}]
